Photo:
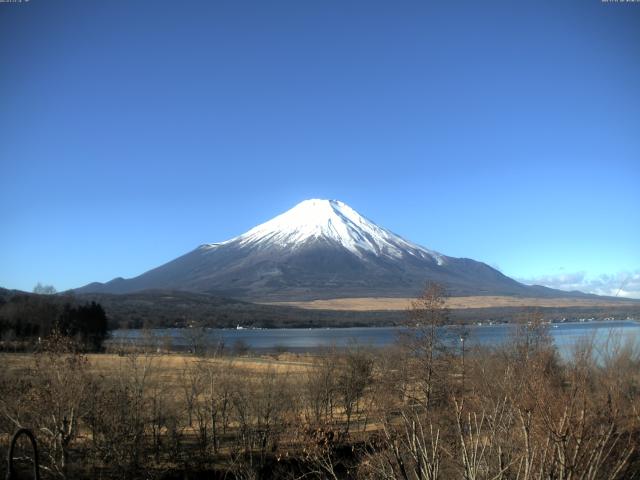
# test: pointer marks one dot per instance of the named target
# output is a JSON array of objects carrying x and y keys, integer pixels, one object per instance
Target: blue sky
[{"x": 131, "y": 132}]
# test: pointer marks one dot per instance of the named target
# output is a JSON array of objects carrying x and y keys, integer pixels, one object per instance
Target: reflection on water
[{"x": 565, "y": 335}]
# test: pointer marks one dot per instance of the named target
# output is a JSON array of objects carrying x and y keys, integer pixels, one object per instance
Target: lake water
[{"x": 565, "y": 336}]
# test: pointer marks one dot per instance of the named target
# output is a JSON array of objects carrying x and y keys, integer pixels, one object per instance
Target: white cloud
[{"x": 622, "y": 284}]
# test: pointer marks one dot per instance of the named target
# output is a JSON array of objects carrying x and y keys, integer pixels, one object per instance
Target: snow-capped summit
[
  {"x": 331, "y": 221},
  {"x": 318, "y": 249}
]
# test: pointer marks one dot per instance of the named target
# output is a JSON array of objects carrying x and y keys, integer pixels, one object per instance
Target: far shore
[{"x": 397, "y": 304}]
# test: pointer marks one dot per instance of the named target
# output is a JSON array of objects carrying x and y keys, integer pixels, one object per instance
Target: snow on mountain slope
[
  {"x": 320, "y": 249},
  {"x": 329, "y": 220}
]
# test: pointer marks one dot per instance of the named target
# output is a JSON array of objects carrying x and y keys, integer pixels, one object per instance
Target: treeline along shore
[{"x": 176, "y": 309}]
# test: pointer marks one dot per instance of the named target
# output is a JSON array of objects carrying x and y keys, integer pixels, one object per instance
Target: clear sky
[{"x": 507, "y": 132}]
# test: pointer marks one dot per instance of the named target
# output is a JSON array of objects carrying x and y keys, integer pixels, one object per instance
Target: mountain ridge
[{"x": 320, "y": 249}]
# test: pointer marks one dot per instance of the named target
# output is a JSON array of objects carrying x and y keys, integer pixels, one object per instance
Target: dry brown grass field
[
  {"x": 168, "y": 366},
  {"x": 394, "y": 304}
]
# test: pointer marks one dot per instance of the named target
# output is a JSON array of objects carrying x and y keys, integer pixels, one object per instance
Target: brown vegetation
[
  {"x": 488, "y": 301},
  {"x": 417, "y": 411}
]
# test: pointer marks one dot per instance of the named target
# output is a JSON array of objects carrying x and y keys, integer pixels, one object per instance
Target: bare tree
[
  {"x": 196, "y": 340},
  {"x": 44, "y": 289},
  {"x": 59, "y": 382},
  {"x": 427, "y": 314},
  {"x": 319, "y": 389},
  {"x": 121, "y": 416},
  {"x": 353, "y": 377},
  {"x": 191, "y": 385},
  {"x": 409, "y": 448}
]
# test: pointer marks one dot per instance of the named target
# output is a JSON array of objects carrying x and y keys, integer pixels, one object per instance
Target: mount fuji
[{"x": 320, "y": 249}]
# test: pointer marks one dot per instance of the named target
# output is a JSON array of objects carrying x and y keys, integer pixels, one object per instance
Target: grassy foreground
[{"x": 414, "y": 411}]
